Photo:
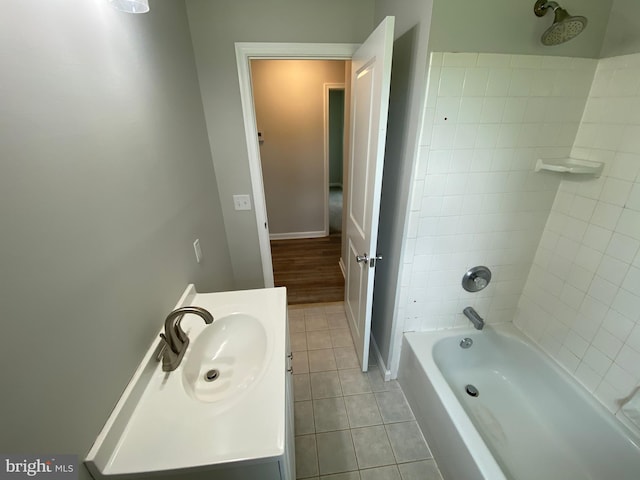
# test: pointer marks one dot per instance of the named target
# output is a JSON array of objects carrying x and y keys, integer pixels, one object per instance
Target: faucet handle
[
  {"x": 164, "y": 344},
  {"x": 180, "y": 333}
]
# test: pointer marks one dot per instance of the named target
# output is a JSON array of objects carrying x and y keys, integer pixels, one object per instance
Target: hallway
[{"x": 309, "y": 268}]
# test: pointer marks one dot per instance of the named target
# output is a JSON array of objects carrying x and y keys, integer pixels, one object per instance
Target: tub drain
[
  {"x": 211, "y": 375},
  {"x": 471, "y": 390}
]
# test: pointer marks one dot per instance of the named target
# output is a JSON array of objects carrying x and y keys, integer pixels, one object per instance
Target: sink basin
[
  {"x": 180, "y": 424},
  {"x": 226, "y": 359}
]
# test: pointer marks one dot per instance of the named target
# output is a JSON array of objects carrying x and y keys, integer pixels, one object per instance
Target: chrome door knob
[{"x": 362, "y": 258}]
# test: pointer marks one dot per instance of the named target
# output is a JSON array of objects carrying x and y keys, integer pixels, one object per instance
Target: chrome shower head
[{"x": 564, "y": 27}]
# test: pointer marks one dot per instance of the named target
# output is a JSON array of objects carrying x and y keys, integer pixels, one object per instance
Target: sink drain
[
  {"x": 471, "y": 390},
  {"x": 211, "y": 375}
]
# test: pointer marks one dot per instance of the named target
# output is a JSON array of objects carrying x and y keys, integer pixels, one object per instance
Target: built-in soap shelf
[{"x": 570, "y": 165}]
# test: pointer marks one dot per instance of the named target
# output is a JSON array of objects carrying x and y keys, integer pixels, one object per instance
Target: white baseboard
[
  {"x": 341, "y": 264},
  {"x": 294, "y": 235},
  {"x": 386, "y": 373}
]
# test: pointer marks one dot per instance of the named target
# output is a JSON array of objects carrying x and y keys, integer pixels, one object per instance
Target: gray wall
[
  {"x": 289, "y": 101},
  {"x": 215, "y": 26},
  {"x": 106, "y": 180},
  {"x": 622, "y": 32},
  {"x": 408, "y": 89},
  {"x": 510, "y": 26}
]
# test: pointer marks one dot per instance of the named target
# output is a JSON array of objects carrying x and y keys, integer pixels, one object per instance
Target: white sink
[
  {"x": 226, "y": 359},
  {"x": 177, "y": 421}
]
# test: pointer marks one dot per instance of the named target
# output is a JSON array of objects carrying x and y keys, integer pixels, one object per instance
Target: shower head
[{"x": 564, "y": 26}]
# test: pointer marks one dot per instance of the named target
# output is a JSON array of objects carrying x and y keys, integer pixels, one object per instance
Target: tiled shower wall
[
  {"x": 582, "y": 300},
  {"x": 476, "y": 199}
]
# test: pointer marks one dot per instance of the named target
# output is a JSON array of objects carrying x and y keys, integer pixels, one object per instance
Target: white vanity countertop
[{"x": 168, "y": 429}]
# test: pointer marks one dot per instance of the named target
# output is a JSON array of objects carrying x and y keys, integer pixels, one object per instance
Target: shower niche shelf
[{"x": 570, "y": 165}]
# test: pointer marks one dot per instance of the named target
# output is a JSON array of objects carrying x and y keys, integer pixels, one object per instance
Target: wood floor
[{"x": 309, "y": 269}]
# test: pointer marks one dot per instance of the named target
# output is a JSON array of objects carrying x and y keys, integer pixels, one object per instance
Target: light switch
[{"x": 242, "y": 202}]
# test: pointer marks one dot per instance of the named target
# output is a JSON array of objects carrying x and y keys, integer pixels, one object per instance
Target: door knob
[{"x": 362, "y": 258}]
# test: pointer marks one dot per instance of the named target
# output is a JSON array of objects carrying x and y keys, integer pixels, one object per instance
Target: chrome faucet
[
  {"x": 473, "y": 316},
  {"x": 174, "y": 339}
]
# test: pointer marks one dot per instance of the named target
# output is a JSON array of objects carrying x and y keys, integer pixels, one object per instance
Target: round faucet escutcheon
[{"x": 476, "y": 278}]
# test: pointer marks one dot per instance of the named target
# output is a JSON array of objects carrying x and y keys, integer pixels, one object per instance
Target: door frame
[
  {"x": 245, "y": 52},
  {"x": 327, "y": 180}
]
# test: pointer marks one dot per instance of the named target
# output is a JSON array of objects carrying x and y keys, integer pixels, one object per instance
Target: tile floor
[{"x": 349, "y": 425}]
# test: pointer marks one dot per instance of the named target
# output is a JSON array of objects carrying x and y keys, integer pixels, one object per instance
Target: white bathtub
[{"x": 530, "y": 421}]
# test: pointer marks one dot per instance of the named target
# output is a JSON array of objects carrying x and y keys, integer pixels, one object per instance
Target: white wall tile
[
  {"x": 499, "y": 82},
  {"x": 630, "y": 139},
  {"x": 633, "y": 339},
  {"x": 624, "y": 82},
  {"x": 447, "y": 110},
  {"x": 470, "y": 109},
  {"x": 607, "y": 343},
  {"x": 625, "y": 165},
  {"x": 520, "y": 84},
  {"x": 494, "y": 60},
  {"x": 603, "y": 290},
  {"x": 606, "y": 215},
  {"x": 629, "y": 223},
  {"x": 623, "y": 248},
  {"x": 514, "y": 110},
  {"x": 451, "y": 82},
  {"x": 615, "y": 191},
  {"x": 633, "y": 201},
  {"x": 487, "y": 138},
  {"x": 628, "y": 359},
  {"x": 609, "y": 210},
  {"x": 597, "y": 360},
  {"x": 612, "y": 269},
  {"x": 618, "y": 325},
  {"x": 475, "y": 82},
  {"x": 443, "y": 136},
  {"x": 597, "y": 238},
  {"x": 627, "y": 304},
  {"x": 460, "y": 59},
  {"x": 465, "y": 135},
  {"x": 632, "y": 280},
  {"x": 582, "y": 208},
  {"x": 492, "y": 110}
]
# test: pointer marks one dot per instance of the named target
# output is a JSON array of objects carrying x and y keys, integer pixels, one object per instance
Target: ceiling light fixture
[{"x": 130, "y": 6}]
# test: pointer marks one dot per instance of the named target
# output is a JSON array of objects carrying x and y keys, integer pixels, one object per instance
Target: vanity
[{"x": 225, "y": 412}]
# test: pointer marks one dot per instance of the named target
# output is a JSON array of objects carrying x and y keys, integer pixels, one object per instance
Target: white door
[{"x": 370, "y": 81}]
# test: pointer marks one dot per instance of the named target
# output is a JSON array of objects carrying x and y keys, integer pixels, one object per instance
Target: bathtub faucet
[{"x": 473, "y": 316}]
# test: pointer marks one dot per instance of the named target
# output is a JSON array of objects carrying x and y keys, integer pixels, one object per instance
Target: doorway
[
  {"x": 245, "y": 52},
  {"x": 299, "y": 111},
  {"x": 369, "y": 81}
]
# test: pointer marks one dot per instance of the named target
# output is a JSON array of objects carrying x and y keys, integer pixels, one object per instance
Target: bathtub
[{"x": 529, "y": 421}]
